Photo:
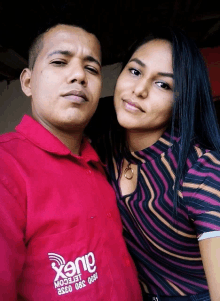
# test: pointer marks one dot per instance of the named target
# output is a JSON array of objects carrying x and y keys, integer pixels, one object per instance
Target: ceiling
[{"x": 117, "y": 24}]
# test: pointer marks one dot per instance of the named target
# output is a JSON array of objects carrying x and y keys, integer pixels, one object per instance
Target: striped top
[{"x": 166, "y": 252}]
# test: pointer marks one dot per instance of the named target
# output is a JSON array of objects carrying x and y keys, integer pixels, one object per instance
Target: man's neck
[{"x": 71, "y": 138}]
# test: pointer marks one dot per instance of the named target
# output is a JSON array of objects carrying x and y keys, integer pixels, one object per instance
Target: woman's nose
[{"x": 141, "y": 89}]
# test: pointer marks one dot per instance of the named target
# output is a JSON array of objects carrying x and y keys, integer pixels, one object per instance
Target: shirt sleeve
[
  {"x": 12, "y": 229},
  {"x": 201, "y": 193},
  {"x": 210, "y": 234}
]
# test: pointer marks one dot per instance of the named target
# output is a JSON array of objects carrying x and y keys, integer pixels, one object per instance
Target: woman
[{"x": 166, "y": 167}]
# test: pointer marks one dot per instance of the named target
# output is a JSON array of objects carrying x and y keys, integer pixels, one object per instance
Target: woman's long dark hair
[{"x": 193, "y": 111}]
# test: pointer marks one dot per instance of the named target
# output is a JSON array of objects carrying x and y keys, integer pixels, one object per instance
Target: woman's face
[{"x": 144, "y": 90}]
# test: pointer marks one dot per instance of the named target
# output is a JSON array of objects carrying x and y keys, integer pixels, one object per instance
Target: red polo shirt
[{"x": 61, "y": 233}]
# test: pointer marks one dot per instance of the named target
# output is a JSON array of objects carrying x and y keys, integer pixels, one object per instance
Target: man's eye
[
  {"x": 92, "y": 70},
  {"x": 163, "y": 85},
  {"x": 58, "y": 63},
  {"x": 134, "y": 71}
]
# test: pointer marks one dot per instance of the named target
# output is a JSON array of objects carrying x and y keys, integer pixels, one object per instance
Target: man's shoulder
[
  {"x": 11, "y": 143},
  {"x": 10, "y": 137}
]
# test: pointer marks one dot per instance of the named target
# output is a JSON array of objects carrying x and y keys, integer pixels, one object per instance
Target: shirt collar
[{"x": 42, "y": 138}]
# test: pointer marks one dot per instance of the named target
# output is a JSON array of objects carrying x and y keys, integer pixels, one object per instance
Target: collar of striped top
[{"x": 164, "y": 144}]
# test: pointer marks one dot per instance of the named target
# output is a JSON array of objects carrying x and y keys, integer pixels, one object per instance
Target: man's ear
[{"x": 25, "y": 79}]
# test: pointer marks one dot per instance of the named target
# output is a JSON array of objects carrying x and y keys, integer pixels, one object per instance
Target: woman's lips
[{"x": 132, "y": 106}]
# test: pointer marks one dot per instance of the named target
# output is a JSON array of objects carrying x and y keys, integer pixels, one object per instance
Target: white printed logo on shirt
[{"x": 68, "y": 275}]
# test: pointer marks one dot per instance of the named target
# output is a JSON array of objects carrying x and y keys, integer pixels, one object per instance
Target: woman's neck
[{"x": 138, "y": 140}]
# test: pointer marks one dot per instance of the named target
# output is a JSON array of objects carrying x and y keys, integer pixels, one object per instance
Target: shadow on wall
[{"x": 13, "y": 105}]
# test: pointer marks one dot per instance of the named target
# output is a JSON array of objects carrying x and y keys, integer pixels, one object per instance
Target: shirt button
[
  {"x": 109, "y": 215},
  {"x": 89, "y": 172}
]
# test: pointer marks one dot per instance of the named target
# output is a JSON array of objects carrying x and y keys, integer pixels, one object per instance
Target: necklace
[{"x": 128, "y": 172}]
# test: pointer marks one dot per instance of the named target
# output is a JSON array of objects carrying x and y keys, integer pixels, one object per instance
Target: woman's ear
[{"x": 25, "y": 79}]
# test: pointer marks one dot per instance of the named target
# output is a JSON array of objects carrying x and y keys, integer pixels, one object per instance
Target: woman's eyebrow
[
  {"x": 167, "y": 74},
  {"x": 138, "y": 62}
]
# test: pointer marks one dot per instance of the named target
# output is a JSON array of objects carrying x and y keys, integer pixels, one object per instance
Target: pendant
[{"x": 128, "y": 172}]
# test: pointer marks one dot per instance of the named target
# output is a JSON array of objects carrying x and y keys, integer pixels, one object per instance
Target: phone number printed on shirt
[{"x": 68, "y": 275}]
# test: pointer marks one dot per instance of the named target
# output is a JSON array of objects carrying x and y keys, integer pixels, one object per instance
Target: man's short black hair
[
  {"x": 34, "y": 50},
  {"x": 37, "y": 44}
]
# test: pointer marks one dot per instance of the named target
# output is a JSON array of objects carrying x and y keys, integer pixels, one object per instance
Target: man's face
[{"x": 65, "y": 83}]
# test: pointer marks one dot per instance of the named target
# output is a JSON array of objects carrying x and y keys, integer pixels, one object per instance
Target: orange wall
[{"x": 212, "y": 59}]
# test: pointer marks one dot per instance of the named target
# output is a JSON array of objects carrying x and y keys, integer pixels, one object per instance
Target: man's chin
[{"x": 72, "y": 126}]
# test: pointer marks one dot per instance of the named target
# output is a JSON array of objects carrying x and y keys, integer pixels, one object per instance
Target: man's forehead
[{"x": 70, "y": 35}]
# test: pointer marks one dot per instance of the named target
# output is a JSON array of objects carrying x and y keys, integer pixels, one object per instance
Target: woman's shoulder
[
  {"x": 202, "y": 163},
  {"x": 205, "y": 156},
  {"x": 200, "y": 186}
]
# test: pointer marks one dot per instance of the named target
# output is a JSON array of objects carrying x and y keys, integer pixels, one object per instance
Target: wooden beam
[
  {"x": 8, "y": 72},
  {"x": 184, "y": 12},
  {"x": 204, "y": 17},
  {"x": 177, "y": 8},
  {"x": 211, "y": 31},
  {"x": 12, "y": 59}
]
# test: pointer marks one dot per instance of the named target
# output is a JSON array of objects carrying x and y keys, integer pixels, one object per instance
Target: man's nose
[{"x": 77, "y": 74}]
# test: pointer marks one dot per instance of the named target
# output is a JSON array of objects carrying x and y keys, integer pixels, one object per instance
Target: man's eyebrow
[
  {"x": 69, "y": 53},
  {"x": 92, "y": 59},
  {"x": 63, "y": 52}
]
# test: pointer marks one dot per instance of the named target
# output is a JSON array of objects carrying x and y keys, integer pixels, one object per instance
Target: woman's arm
[{"x": 210, "y": 253}]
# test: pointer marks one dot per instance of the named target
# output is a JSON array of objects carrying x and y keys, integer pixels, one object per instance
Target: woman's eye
[
  {"x": 134, "y": 71},
  {"x": 163, "y": 85}
]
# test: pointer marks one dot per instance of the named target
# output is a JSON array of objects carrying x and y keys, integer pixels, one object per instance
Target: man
[{"x": 61, "y": 234}]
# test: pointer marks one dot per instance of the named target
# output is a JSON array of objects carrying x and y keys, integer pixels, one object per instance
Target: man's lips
[
  {"x": 132, "y": 105},
  {"x": 76, "y": 96}
]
